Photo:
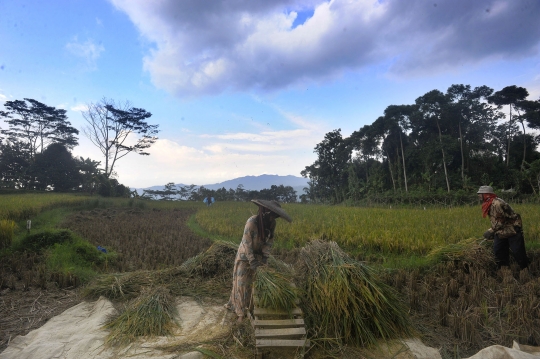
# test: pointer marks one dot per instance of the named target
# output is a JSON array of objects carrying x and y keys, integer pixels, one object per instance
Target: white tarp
[
  {"x": 518, "y": 351},
  {"x": 77, "y": 334}
]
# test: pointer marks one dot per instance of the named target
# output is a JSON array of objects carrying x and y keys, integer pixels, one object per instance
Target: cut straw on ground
[{"x": 151, "y": 314}]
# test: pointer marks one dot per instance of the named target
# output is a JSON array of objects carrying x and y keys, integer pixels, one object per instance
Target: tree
[
  {"x": 14, "y": 165},
  {"x": 329, "y": 172},
  {"x": 430, "y": 108},
  {"x": 56, "y": 169},
  {"x": 36, "y": 125},
  {"x": 89, "y": 171},
  {"x": 110, "y": 125},
  {"x": 511, "y": 96}
]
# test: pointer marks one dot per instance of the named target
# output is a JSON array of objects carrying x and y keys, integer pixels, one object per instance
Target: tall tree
[
  {"x": 469, "y": 111},
  {"x": 36, "y": 125},
  {"x": 110, "y": 124},
  {"x": 396, "y": 122},
  {"x": 431, "y": 107},
  {"x": 511, "y": 96}
]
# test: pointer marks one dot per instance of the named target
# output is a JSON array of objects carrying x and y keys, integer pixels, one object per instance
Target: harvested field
[
  {"x": 462, "y": 307},
  {"x": 144, "y": 239}
]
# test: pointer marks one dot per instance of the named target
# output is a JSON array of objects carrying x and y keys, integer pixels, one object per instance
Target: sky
[{"x": 250, "y": 87}]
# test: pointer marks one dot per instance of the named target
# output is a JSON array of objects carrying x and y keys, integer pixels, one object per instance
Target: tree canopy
[{"x": 445, "y": 141}]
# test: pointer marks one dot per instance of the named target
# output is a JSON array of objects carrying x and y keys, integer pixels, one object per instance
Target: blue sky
[{"x": 249, "y": 87}]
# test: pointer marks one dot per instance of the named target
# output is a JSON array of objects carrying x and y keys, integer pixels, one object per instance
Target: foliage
[
  {"x": 37, "y": 242},
  {"x": 110, "y": 124},
  {"x": 37, "y": 125},
  {"x": 444, "y": 141},
  {"x": 55, "y": 168}
]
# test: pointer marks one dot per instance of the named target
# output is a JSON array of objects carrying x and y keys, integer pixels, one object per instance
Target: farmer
[
  {"x": 253, "y": 252},
  {"x": 506, "y": 228}
]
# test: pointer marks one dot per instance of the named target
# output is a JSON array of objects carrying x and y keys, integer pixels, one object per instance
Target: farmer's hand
[{"x": 488, "y": 234}]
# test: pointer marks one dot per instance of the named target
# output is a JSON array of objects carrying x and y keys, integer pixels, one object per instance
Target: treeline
[
  {"x": 444, "y": 142},
  {"x": 171, "y": 192},
  {"x": 35, "y": 148}
]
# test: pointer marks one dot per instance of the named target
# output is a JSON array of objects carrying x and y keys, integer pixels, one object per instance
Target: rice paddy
[
  {"x": 457, "y": 301},
  {"x": 399, "y": 231}
]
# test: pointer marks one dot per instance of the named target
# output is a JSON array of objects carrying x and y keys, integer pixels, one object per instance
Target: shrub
[{"x": 37, "y": 242}]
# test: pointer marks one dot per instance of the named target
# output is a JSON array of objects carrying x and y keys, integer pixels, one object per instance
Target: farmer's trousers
[{"x": 502, "y": 248}]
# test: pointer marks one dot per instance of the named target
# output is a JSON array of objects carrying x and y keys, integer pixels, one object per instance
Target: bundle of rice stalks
[
  {"x": 280, "y": 266},
  {"x": 151, "y": 314},
  {"x": 274, "y": 290},
  {"x": 119, "y": 285},
  {"x": 344, "y": 299},
  {"x": 472, "y": 250},
  {"x": 216, "y": 260}
]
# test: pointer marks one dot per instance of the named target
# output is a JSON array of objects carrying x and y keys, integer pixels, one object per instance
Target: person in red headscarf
[{"x": 506, "y": 229}]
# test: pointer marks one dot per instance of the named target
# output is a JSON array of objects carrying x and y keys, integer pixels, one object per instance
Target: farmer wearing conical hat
[
  {"x": 253, "y": 252},
  {"x": 506, "y": 228}
]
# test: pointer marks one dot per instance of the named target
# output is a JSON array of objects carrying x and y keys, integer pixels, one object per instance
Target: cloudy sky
[{"x": 249, "y": 87}]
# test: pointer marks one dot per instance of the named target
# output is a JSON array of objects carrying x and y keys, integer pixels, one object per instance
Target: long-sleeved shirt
[
  {"x": 252, "y": 245},
  {"x": 503, "y": 219}
]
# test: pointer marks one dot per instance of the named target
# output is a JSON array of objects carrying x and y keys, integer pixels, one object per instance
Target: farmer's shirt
[
  {"x": 252, "y": 245},
  {"x": 504, "y": 221}
]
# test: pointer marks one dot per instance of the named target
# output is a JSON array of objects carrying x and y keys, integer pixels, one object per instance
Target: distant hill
[{"x": 251, "y": 183}]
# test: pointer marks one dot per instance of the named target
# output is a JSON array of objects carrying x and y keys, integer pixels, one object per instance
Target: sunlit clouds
[{"x": 239, "y": 46}]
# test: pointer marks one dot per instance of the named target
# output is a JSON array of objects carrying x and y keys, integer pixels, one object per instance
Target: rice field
[
  {"x": 23, "y": 206},
  {"x": 397, "y": 230}
]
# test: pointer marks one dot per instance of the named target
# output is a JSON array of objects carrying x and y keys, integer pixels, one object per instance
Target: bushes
[{"x": 37, "y": 242}]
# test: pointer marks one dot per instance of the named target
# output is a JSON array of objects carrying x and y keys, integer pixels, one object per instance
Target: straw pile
[
  {"x": 207, "y": 274},
  {"x": 216, "y": 260},
  {"x": 274, "y": 290},
  {"x": 151, "y": 314},
  {"x": 472, "y": 251},
  {"x": 345, "y": 301}
]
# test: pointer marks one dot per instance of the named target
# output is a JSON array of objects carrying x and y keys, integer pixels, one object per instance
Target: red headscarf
[{"x": 488, "y": 199}]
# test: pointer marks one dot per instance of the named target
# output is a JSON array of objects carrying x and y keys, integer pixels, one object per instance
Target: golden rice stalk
[
  {"x": 344, "y": 299},
  {"x": 151, "y": 314},
  {"x": 274, "y": 290},
  {"x": 7, "y": 228},
  {"x": 471, "y": 250}
]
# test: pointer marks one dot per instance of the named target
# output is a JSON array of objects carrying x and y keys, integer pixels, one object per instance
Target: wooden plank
[
  {"x": 281, "y": 323},
  {"x": 279, "y": 333},
  {"x": 266, "y": 311},
  {"x": 281, "y": 343}
]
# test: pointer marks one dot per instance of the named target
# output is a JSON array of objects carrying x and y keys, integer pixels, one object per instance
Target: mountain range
[{"x": 250, "y": 183}]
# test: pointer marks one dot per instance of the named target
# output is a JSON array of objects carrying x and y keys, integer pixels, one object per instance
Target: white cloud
[
  {"x": 79, "y": 108},
  {"x": 3, "y": 98},
  {"x": 88, "y": 51},
  {"x": 216, "y": 158},
  {"x": 239, "y": 45}
]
